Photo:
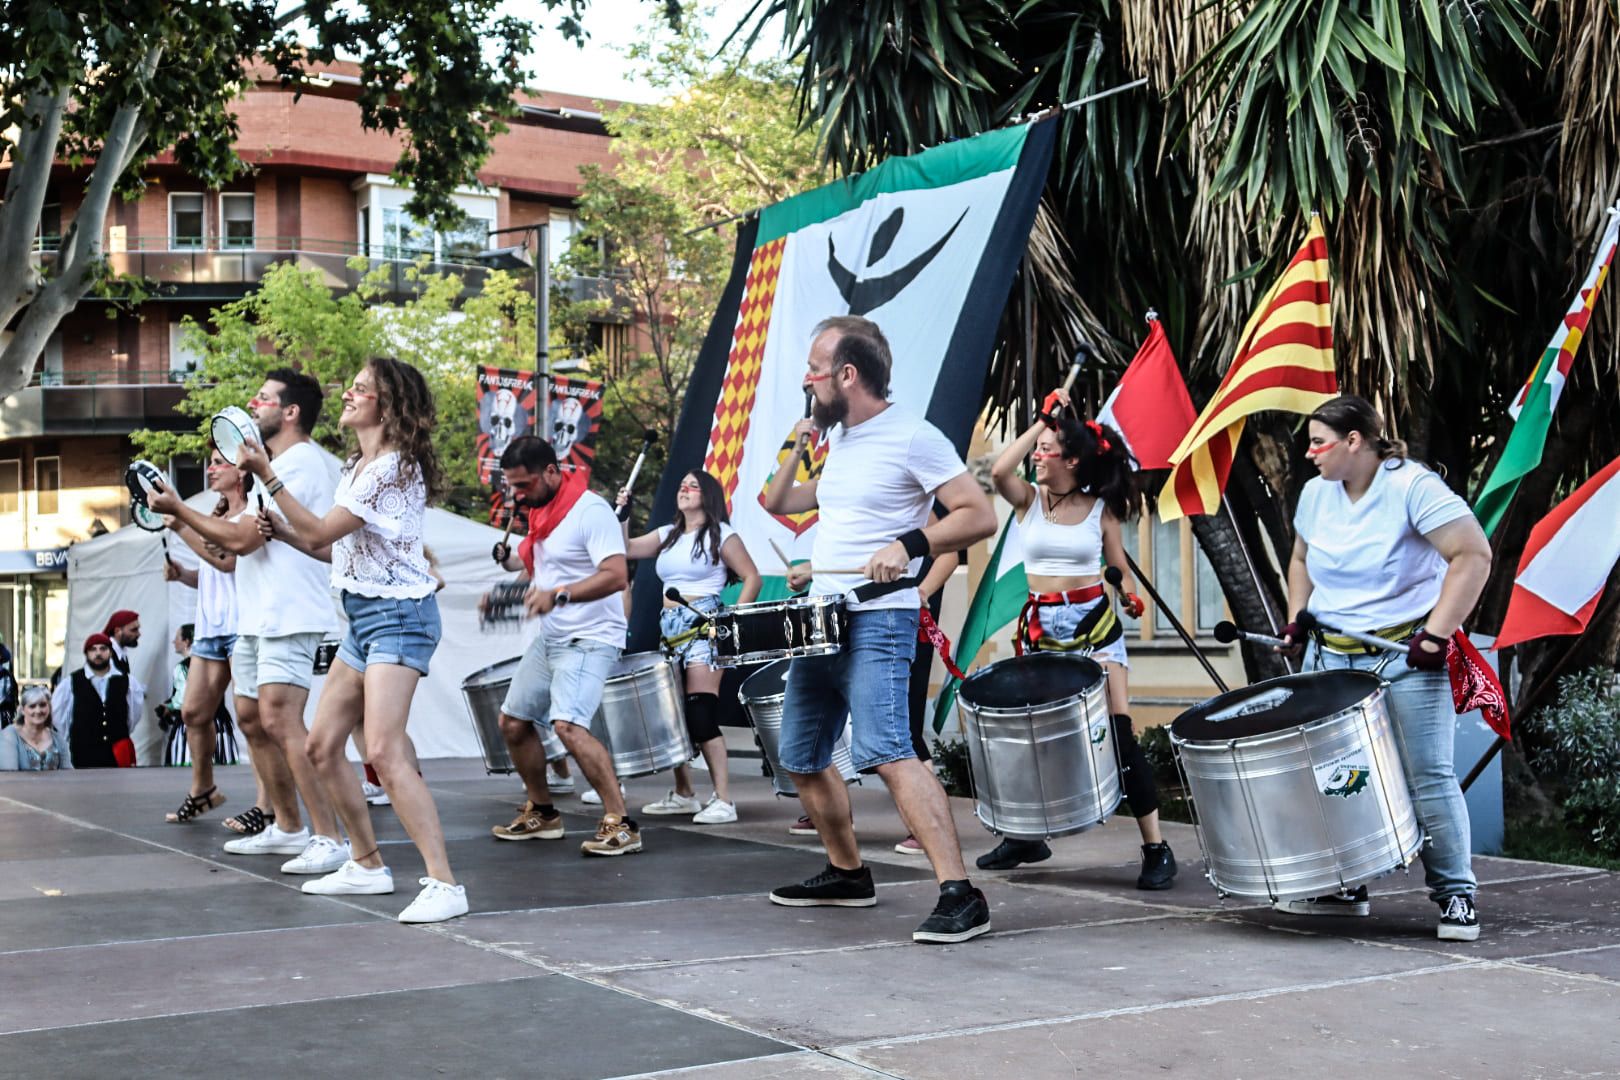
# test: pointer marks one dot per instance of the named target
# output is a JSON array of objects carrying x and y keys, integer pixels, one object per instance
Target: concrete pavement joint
[{"x": 178, "y": 938}]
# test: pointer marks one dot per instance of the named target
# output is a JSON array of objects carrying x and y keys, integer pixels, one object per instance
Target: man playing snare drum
[
  {"x": 575, "y": 540},
  {"x": 884, "y": 470}
]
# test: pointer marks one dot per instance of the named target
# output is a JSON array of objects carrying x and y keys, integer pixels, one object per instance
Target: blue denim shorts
[
  {"x": 1060, "y": 621},
  {"x": 868, "y": 682},
  {"x": 560, "y": 679},
  {"x": 214, "y": 648},
  {"x": 673, "y": 621},
  {"x": 389, "y": 630}
]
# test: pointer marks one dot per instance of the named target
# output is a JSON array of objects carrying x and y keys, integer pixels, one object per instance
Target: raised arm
[
  {"x": 216, "y": 556},
  {"x": 237, "y": 537},
  {"x": 1006, "y": 473},
  {"x": 783, "y": 496}
]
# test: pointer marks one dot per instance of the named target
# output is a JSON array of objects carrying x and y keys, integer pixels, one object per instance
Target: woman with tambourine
[
  {"x": 374, "y": 531},
  {"x": 1070, "y": 521},
  {"x": 697, "y": 554},
  {"x": 1382, "y": 542}
]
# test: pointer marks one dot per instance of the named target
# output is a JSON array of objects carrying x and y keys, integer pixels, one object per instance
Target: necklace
[{"x": 1049, "y": 506}]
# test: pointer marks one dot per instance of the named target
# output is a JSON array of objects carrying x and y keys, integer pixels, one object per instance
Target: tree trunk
[{"x": 1220, "y": 542}]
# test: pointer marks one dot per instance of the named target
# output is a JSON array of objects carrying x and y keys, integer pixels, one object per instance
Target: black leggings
[{"x": 1136, "y": 772}]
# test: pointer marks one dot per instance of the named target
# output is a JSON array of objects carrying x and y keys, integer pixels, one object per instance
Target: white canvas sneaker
[
  {"x": 321, "y": 855},
  {"x": 716, "y": 812},
  {"x": 590, "y": 797},
  {"x": 374, "y": 794},
  {"x": 556, "y": 782},
  {"x": 436, "y": 902},
  {"x": 673, "y": 803},
  {"x": 270, "y": 842},
  {"x": 352, "y": 879}
]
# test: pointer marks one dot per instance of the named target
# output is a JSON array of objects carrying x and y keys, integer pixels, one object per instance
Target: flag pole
[
  {"x": 1254, "y": 576},
  {"x": 1186, "y": 638}
]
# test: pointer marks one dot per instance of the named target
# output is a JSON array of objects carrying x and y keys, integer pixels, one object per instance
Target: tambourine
[
  {"x": 230, "y": 428},
  {"x": 145, "y": 517},
  {"x": 143, "y": 478}
]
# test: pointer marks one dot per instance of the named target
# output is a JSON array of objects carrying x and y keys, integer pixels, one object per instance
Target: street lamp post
[{"x": 542, "y": 314}]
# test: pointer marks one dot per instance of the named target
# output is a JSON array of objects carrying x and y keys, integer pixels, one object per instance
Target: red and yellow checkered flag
[{"x": 1284, "y": 361}]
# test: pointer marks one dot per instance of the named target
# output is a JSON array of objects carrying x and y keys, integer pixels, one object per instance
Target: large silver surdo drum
[
  {"x": 1297, "y": 786},
  {"x": 485, "y": 691},
  {"x": 643, "y": 716},
  {"x": 761, "y": 694},
  {"x": 1041, "y": 745}
]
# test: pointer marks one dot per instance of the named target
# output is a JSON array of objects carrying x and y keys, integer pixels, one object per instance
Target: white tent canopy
[{"x": 124, "y": 569}]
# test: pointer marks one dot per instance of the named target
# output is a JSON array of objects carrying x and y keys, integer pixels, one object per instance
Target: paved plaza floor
[{"x": 134, "y": 948}]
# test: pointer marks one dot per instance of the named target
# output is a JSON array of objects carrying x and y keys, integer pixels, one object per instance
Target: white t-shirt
[
  {"x": 279, "y": 589},
  {"x": 687, "y": 565},
  {"x": 216, "y": 601},
  {"x": 1369, "y": 563},
  {"x": 586, "y": 536},
  {"x": 384, "y": 557},
  {"x": 878, "y": 482}
]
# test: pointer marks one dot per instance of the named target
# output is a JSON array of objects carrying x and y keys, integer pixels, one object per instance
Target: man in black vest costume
[
  {"x": 94, "y": 710},
  {"x": 123, "y": 629}
]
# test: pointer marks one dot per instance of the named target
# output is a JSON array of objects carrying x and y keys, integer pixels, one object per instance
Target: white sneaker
[
  {"x": 716, "y": 812},
  {"x": 270, "y": 842},
  {"x": 321, "y": 855},
  {"x": 352, "y": 879},
  {"x": 559, "y": 784},
  {"x": 591, "y": 798},
  {"x": 436, "y": 902},
  {"x": 673, "y": 803},
  {"x": 374, "y": 794}
]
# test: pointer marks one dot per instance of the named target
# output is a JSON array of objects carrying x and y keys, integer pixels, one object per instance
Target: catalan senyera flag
[{"x": 1284, "y": 361}]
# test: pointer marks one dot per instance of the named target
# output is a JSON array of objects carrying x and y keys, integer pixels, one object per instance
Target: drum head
[
  {"x": 1036, "y": 679},
  {"x": 142, "y": 478},
  {"x": 145, "y": 518},
  {"x": 767, "y": 682},
  {"x": 230, "y": 428},
  {"x": 1274, "y": 705}
]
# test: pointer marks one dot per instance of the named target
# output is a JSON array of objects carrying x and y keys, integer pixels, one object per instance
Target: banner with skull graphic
[
  {"x": 506, "y": 408},
  {"x": 576, "y": 414}
]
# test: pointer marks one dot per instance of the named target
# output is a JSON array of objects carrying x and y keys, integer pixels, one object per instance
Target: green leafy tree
[{"x": 294, "y": 318}]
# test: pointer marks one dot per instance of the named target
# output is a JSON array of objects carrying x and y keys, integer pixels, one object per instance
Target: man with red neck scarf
[{"x": 574, "y": 557}]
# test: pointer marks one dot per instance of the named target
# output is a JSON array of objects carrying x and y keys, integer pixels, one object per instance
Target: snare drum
[
  {"x": 778, "y": 629},
  {"x": 1297, "y": 786},
  {"x": 485, "y": 691},
  {"x": 230, "y": 428},
  {"x": 761, "y": 695}
]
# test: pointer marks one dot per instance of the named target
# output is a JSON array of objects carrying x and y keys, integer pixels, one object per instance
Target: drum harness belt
[
  {"x": 1100, "y": 627},
  {"x": 1350, "y": 646}
]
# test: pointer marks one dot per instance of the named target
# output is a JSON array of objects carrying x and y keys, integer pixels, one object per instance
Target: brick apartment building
[{"x": 318, "y": 194}]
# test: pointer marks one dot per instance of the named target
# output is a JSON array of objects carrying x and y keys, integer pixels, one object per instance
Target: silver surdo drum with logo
[
  {"x": 1297, "y": 786},
  {"x": 485, "y": 691},
  {"x": 761, "y": 695},
  {"x": 1040, "y": 745},
  {"x": 643, "y": 715}
]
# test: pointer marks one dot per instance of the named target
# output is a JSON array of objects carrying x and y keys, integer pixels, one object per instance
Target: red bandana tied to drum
[
  {"x": 1474, "y": 685},
  {"x": 543, "y": 520},
  {"x": 928, "y": 631}
]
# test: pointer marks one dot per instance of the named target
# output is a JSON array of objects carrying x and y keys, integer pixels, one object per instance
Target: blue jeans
[
  {"x": 867, "y": 682},
  {"x": 389, "y": 630},
  {"x": 673, "y": 621},
  {"x": 1425, "y": 725}
]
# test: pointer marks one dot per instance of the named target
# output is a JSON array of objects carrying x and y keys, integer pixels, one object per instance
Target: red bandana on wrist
[{"x": 543, "y": 520}]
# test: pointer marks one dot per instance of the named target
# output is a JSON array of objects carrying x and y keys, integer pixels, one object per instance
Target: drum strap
[
  {"x": 1398, "y": 632},
  {"x": 1100, "y": 627},
  {"x": 874, "y": 589},
  {"x": 673, "y": 643}
]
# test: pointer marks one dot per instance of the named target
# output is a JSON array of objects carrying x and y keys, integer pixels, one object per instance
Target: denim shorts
[
  {"x": 214, "y": 648},
  {"x": 673, "y": 621},
  {"x": 1060, "y": 621},
  {"x": 866, "y": 682},
  {"x": 285, "y": 660},
  {"x": 389, "y": 630},
  {"x": 560, "y": 679}
]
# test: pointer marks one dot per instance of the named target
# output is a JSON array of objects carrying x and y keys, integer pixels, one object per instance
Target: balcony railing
[{"x": 119, "y": 377}]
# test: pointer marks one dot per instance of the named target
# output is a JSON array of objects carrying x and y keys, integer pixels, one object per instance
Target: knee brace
[
  {"x": 1135, "y": 771},
  {"x": 702, "y": 718}
]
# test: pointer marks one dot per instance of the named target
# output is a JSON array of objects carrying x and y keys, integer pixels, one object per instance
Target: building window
[
  {"x": 47, "y": 484},
  {"x": 10, "y": 486},
  {"x": 1197, "y": 597},
  {"x": 50, "y": 222},
  {"x": 467, "y": 240},
  {"x": 50, "y": 368},
  {"x": 186, "y": 221},
  {"x": 184, "y": 358},
  {"x": 236, "y": 220}
]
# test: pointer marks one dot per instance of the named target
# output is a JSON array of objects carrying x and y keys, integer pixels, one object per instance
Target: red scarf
[
  {"x": 1474, "y": 685},
  {"x": 543, "y": 520}
]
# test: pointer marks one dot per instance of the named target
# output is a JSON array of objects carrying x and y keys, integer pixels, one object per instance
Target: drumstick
[
  {"x": 780, "y": 554},
  {"x": 809, "y": 405},
  {"x": 648, "y": 437}
]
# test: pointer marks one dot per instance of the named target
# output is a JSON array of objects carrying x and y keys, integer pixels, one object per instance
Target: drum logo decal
[
  {"x": 1099, "y": 732},
  {"x": 1344, "y": 778}
]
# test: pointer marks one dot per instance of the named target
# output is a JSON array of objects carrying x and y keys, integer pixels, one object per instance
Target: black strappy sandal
[
  {"x": 195, "y": 805},
  {"x": 250, "y": 822}
]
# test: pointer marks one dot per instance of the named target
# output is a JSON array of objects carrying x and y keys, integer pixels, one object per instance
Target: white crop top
[
  {"x": 1052, "y": 550},
  {"x": 687, "y": 567}
]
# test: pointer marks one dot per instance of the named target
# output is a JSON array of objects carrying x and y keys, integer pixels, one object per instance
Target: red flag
[
  {"x": 1566, "y": 563},
  {"x": 1150, "y": 407},
  {"x": 1475, "y": 686}
]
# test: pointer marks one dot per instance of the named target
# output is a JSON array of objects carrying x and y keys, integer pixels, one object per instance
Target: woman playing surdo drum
[
  {"x": 696, "y": 555},
  {"x": 1384, "y": 546},
  {"x": 1070, "y": 521}
]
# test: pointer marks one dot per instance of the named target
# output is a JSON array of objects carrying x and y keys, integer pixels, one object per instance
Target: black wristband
[{"x": 915, "y": 543}]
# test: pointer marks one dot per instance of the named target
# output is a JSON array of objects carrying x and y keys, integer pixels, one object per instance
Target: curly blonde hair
[{"x": 408, "y": 415}]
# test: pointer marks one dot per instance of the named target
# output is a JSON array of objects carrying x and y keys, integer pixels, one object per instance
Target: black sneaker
[
  {"x": 961, "y": 913},
  {"x": 1355, "y": 903},
  {"x": 1012, "y": 852},
  {"x": 1158, "y": 867},
  {"x": 1459, "y": 919},
  {"x": 830, "y": 888}
]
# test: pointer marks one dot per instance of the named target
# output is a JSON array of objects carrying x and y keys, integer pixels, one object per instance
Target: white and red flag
[
  {"x": 1150, "y": 406},
  {"x": 1566, "y": 561}
]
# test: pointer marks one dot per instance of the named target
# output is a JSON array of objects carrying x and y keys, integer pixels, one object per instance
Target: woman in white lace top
[{"x": 374, "y": 532}]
